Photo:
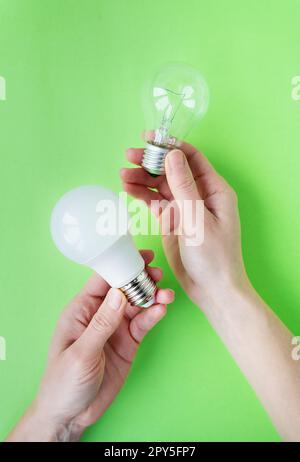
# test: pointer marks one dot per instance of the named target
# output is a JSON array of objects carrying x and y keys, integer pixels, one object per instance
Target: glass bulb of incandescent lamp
[
  {"x": 173, "y": 101},
  {"x": 89, "y": 225}
]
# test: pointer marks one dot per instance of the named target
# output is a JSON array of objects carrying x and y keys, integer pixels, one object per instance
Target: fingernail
[
  {"x": 173, "y": 293},
  {"x": 115, "y": 299},
  {"x": 175, "y": 159}
]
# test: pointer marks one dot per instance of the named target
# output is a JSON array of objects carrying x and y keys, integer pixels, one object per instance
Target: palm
[{"x": 119, "y": 353}]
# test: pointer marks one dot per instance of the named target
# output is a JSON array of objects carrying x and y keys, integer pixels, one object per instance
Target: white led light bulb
[
  {"x": 173, "y": 101},
  {"x": 89, "y": 225}
]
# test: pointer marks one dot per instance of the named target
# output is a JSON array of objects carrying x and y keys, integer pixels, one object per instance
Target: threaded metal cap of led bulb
[
  {"x": 141, "y": 290},
  {"x": 154, "y": 159}
]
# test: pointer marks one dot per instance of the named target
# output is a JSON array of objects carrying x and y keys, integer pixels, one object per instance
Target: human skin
[
  {"x": 94, "y": 344},
  {"x": 214, "y": 277}
]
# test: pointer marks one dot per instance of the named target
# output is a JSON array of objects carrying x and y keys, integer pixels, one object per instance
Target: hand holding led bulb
[
  {"x": 94, "y": 344},
  {"x": 99, "y": 332}
]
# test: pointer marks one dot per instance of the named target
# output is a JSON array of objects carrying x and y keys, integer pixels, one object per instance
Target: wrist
[
  {"x": 37, "y": 426},
  {"x": 221, "y": 294}
]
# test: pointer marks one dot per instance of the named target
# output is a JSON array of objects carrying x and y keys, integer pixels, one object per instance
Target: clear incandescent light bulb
[
  {"x": 89, "y": 225},
  {"x": 174, "y": 100}
]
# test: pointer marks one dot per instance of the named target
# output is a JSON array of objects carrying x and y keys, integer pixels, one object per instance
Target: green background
[{"x": 74, "y": 70}]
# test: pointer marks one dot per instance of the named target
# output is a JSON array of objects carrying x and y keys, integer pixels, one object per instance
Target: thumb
[
  {"x": 103, "y": 324},
  {"x": 180, "y": 177},
  {"x": 188, "y": 201}
]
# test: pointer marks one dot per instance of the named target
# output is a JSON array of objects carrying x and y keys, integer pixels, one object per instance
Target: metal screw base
[
  {"x": 141, "y": 290},
  {"x": 154, "y": 159}
]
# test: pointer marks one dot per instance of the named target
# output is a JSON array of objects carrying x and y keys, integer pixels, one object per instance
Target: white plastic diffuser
[{"x": 89, "y": 225}]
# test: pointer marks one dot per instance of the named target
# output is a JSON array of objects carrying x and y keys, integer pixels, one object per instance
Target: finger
[
  {"x": 95, "y": 287},
  {"x": 103, "y": 324},
  {"x": 148, "y": 135},
  {"x": 135, "y": 155},
  {"x": 187, "y": 148},
  {"x": 180, "y": 177},
  {"x": 140, "y": 176},
  {"x": 142, "y": 192},
  {"x": 162, "y": 296},
  {"x": 155, "y": 273},
  {"x": 78, "y": 314},
  {"x": 145, "y": 320},
  {"x": 206, "y": 177},
  {"x": 72, "y": 323},
  {"x": 132, "y": 310},
  {"x": 220, "y": 199},
  {"x": 148, "y": 255},
  {"x": 165, "y": 296},
  {"x": 189, "y": 206}
]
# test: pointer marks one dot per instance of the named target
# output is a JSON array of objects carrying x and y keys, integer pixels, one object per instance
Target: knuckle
[
  {"x": 75, "y": 358},
  {"x": 186, "y": 184},
  {"x": 101, "y": 323},
  {"x": 233, "y": 195},
  {"x": 230, "y": 192}
]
